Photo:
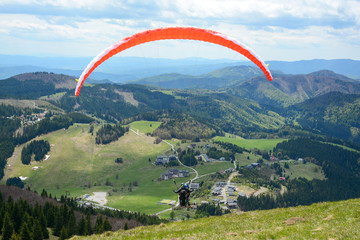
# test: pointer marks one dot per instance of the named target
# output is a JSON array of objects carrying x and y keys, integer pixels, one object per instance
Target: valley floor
[{"x": 329, "y": 220}]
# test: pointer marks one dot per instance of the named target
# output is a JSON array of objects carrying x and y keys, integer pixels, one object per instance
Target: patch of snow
[
  {"x": 35, "y": 168},
  {"x": 23, "y": 178},
  {"x": 46, "y": 157}
]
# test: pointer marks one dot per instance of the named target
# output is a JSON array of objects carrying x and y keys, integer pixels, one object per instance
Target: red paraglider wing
[{"x": 189, "y": 33}]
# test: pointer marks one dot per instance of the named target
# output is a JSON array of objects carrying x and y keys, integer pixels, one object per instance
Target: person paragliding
[{"x": 184, "y": 194}]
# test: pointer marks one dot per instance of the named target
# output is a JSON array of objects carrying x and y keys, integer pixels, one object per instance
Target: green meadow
[
  {"x": 79, "y": 166},
  {"x": 145, "y": 126},
  {"x": 328, "y": 220},
  {"x": 262, "y": 144}
]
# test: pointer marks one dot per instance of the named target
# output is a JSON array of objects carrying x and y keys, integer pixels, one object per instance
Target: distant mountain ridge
[
  {"x": 120, "y": 69},
  {"x": 290, "y": 89},
  {"x": 59, "y": 80},
  {"x": 220, "y": 78}
]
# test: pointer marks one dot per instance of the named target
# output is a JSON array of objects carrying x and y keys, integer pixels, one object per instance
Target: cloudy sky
[{"x": 275, "y": 30}]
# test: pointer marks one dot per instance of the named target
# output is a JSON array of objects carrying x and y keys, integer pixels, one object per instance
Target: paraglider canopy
[{"x": 189, "y": 33}]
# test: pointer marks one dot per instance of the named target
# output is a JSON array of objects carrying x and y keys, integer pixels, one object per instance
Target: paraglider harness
[{"x": 184, "y": 195}]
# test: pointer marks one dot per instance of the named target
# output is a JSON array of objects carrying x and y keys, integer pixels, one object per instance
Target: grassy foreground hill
[{"x": 329, "y": 220}]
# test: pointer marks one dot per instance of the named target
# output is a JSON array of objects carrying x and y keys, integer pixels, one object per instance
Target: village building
[
  {"x": 231, "y": 203},
  {"x": 204, "y": 158},
  {"x": 184, "y": 173},
  {"x": 194, "y": 186},
  {"x": 220, "y": 184},
  {"x": 216, "y": 191},
  {"x": 161, "y": 160},
  {"x": 229, "y": 170},
  {"x": 166, "y": 176},
  {"x": 174, "y": 173},
  {"x": 253, "y": 166}
]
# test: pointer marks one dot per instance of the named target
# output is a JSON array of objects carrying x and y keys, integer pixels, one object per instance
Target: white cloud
[{"x": 272, "y": 28}]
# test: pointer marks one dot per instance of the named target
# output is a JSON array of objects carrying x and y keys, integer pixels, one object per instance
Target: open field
[
  {"x": 77, "y": 163},
  {"x": 79, "y": 166},
  {"x": 329, "y": 220},
  {"x": 145, "y": 126},
  {"x": 262, "y": 144},
  {"x": 30, "y": 104},
  {"x": 309, "y": 171}
]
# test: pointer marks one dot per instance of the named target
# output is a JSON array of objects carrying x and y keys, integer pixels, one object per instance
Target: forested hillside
[
  {"x": 221, "y": 78},
  {"x": 334, "y": 114},
  {"x": 286, "y": 90}
]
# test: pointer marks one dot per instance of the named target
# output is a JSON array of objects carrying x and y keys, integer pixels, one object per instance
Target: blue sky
[{"x": 275, "y": 30}]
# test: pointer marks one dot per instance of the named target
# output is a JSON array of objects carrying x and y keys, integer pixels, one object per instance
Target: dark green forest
[
  {"x": 38, "y": 148},
  {"x": 65, "y": 218},
  {"x": 109, "y": 133}
]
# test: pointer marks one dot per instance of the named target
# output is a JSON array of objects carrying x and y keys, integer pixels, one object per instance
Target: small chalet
[
  {"x": 183, "y": 173},
  {"x": 205, "y": 158},
  {"x": 220, "y": 184},
  {"x": 173, "y": 171},
  {"x": 231, "y": 193},
  {"x": 166, "y": 176},
  {"x": 216, "y": 191},
  {"x": 229, "y": 170},
  {"x": 231, "y": 203},
  {"x": 161, "y": 160},
  {"x": 194, "y": 186}
]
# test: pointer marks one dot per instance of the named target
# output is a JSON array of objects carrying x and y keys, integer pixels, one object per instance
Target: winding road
[{"x": 196, "y": 176}]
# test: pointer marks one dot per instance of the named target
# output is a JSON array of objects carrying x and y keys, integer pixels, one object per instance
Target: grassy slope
[
  {"x": 76, "y": 160},
  {"x": 331, "y": 220},
  {"x": 144, "y": 126},
  {"x": 262, "y": 144}
]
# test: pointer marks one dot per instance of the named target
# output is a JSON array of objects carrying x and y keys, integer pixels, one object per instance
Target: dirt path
[{"x": 196, "y": 177}]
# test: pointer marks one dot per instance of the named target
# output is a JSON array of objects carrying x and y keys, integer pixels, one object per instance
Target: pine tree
[
  {"x": 7, "y": 228},
  {"x": 81, "y": 227},
  {"x": 88, "y": 228},
  {"x": 63, "y": 234},
  {"x": 37, "y": 231},
  {"x": 17, "y": 215},
  {"x": 44, "y": 193},
  {"x": 25, "y": 232},
  {"x": 106, "y": 225},
  {"x": 126, "y": 226},
  {"x": 50, "y": 217},
  {"x": 43, "y": 224},
  {"x": 58, "y": 223},
  {"x": 71, "y": 226},
  {"x": 99, "y": 225},
  {"x": 14, "y": 236},
  {"x": 2, "y": 213}
]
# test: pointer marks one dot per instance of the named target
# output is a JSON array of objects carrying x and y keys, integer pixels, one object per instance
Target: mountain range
[
  {"x": 121, "y": 69},
  {"x": 245, "y": 107}
]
